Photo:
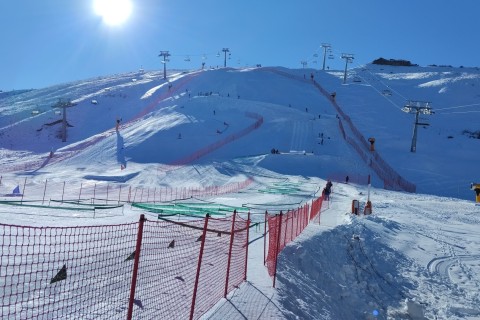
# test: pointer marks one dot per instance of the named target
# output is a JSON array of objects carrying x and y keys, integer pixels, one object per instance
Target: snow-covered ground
[{"x": 416, "y": 257}]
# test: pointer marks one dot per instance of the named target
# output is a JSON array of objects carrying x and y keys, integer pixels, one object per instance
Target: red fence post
[
  {"x": 135, "y": 266},
  {"x": 232, "y": 232},
  {"x": 294, "y": 217},
  {"x": 204, "y": 236},
  {"x": 246, "y": 246},
  {"x": 265, "y": 239},
  {"x": 286, "y": 224},
  {"x": 278, "y": 246}
]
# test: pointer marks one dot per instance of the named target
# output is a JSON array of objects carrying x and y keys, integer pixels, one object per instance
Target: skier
[{"x": 327, "y": 190}]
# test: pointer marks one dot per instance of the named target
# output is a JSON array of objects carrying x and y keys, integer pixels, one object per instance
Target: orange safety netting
[{"x": 89, "y": 272}]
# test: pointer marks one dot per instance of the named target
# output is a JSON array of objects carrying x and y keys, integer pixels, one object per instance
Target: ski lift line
[
  {"x": 458, "y": 107},
  {"x": 386, "y": 85},
  {"x": 380, "y": 93},
  {"x": 194, "y": 55},
  {"x": 458, "y": 112}
]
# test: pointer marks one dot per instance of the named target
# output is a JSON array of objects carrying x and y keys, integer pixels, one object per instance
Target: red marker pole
[{"x": 368, "y": 206}]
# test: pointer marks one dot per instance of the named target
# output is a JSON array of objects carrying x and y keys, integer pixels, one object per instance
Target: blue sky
[{"x": 53, "y": 41}]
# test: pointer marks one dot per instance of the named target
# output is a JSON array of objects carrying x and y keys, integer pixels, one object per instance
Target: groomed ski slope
[{"x": 416, "y": 254}]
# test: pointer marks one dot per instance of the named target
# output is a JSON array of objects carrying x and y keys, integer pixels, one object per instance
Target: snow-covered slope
[{"x": 215, "y": 127}]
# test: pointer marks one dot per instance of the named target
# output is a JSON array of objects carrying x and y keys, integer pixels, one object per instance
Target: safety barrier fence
[
  {"x": 230, "y": 138},
  {"x": 47, "y": 192},
  {"x": 391, "y": 179},
  {"x": 71, "y": 151},
  {"x": 144, "y": 270},
  {"x": 284, "y": 228}
]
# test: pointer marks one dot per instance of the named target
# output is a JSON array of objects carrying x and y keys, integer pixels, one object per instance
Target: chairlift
[
  {"x": 58, "y": 112},
  {"x": 315, "y": 55},
  {"x": 218, "y": 54},
  {"x": 387, "y": 92},
  {"x": 204, "y": 57},
  {"x": 331, "y": 56},
  {"x": 187, "y": 59},
  {"x": 357, "y": 79},
  {"x": 35, "y": 112}
]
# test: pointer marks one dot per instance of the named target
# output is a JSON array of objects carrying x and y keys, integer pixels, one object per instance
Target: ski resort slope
[{"x": 415, "y": 257}]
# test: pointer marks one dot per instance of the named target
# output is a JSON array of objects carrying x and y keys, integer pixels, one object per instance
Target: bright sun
[{"x": 113, "y": 12}]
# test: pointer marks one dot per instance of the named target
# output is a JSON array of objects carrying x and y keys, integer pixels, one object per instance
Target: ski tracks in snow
[{"x": 302, "y": 133}]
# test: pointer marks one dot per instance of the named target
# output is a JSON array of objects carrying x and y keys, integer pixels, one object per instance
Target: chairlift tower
[
  {"x": 225, "y": 50},
  {"x": 64, "y": 105},
  {"x": 417, "y": 108},
  {"x": 348, "y": 59},
  {"x": 325, "y": 47},
  {"x": 165, "y": 55}
]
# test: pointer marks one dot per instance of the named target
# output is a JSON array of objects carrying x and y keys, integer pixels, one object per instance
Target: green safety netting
[
  {"x": 282, "y": 188},
  {"x": 67, "y": 205},
  {"x": 191, "y": 209}
]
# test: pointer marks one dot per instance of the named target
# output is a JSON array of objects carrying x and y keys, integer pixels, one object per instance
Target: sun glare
[{"x": 113, "y": 12}]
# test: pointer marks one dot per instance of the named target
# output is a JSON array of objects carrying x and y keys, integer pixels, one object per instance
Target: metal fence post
[
  {"x": 279, "y": 228},
  {"x": 135, "y": 266},
  {"x": 246, "y": 246},
  {"x": 202, "y": 246},
  {"x": 232, "y": 232}
]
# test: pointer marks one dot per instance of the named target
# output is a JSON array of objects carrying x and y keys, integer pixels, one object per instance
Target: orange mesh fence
[
  {"x": 316, "y": 208},
  {"x": 180, "y": 270},
  {"x": 52, "y": 192},
  {"x": 284, "y": 228},
  {"x": 230, "y": 138},
  {"x": 60, "y": 273},
  {"x": 214, "y": 264},
  {"x": 392, "y": 180}
]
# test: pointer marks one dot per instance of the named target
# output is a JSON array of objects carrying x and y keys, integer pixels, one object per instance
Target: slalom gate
[{"x": 143, "y": 270}]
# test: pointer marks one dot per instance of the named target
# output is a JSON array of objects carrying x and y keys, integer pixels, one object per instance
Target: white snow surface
[{"x": 417, "y": 255}]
